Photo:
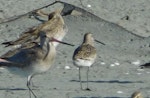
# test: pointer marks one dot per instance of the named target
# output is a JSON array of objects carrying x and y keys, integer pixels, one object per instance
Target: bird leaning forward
[{"x": 31, "y": 61}]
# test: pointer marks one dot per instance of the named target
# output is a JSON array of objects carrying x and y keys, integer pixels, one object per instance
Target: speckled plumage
[
  {"x": 85, "y": 55},
  {"x": 85, "y": 51},
  {"x": 54, "y": 27}
]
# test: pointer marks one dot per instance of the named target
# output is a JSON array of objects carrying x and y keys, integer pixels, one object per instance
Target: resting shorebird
[
  {"x": 54, "y": 27},
  {"x": 31, "y": 61},
  {"x": 85, "y": 55},
  {"x": 136, "y": 94}
]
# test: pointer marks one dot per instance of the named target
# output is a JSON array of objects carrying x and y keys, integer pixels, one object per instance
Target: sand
[{"x": 116, "y": 72}]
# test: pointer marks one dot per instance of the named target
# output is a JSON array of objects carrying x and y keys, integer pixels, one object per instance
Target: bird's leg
[
  {"x": 87, "y": 79},
  {"x": 28, "y": 85},
  {"x": 80, "y": 78},
  {"x": 33, "y": 85}
]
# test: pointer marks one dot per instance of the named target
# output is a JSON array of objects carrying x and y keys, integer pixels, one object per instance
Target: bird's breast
[{"x": 83, "y": 63}]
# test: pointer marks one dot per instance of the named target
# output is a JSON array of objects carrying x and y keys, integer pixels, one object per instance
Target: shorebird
[
  {"x": 85, "y": 55},
  {"x": 54, "y": 27},
  {"x": 136, "y": 94},
  {"x": 31, "y": 61}
]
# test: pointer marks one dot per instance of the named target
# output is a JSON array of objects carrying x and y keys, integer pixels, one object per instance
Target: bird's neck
[{"x": 88, "y": 42}]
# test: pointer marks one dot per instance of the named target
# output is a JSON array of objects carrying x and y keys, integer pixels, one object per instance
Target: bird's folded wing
[
  {"x": 85, "y": 52},
  {"x": 23, "y": 38},
  {"x": 6, "y": 63}
]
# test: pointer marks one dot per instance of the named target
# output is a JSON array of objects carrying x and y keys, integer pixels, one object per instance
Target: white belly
[{"x": 83, "y": 63}]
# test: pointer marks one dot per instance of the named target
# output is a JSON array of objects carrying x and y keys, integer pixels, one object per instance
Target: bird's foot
[{"x": 87, "y": 89}]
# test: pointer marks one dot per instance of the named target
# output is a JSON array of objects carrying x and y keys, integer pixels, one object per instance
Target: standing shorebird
[
  {"x": 85, "y": 55},
  {"x": 31, "y": 61},
  {"x": 54, "y": 27},
  {"x": 136, "y": 94}
]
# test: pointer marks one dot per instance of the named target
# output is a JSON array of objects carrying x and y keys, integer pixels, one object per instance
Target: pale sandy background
[{"x": 122, "y": 26}]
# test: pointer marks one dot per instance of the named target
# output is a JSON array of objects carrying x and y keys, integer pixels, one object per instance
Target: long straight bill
[
  {"x": 100, "y": 42},
  {"x": 55, "y": 40}
]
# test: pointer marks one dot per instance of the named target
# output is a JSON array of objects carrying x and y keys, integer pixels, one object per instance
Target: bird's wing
[
  {"x": 85, "y": 52},
  {"x": 26, "y": 36},
  {"x": 12, "y": 52}
]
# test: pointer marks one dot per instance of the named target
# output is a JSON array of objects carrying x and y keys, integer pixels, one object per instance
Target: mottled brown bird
[
  {"x": 85, "y": 55},
  {"x": 54, "y": 27}
]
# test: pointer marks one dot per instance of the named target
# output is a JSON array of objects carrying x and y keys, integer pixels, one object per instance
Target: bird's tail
[
  {"x": 3, "y": 60},
  {"x": 147, "y": 65},
  {"x": 9, "y": 43},
  {"x": 6, "y": 63}
]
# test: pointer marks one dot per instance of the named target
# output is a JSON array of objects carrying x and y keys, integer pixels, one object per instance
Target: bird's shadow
[
  {"x": 109, "y": 81},
  {"x": 15, "y": 89}
]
